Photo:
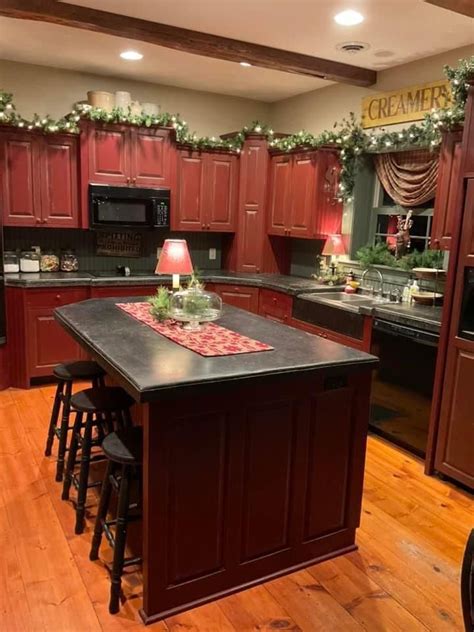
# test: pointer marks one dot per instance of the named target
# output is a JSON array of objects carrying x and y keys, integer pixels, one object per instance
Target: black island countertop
[
  {"x": 291, "y": 285},
  {"x": 146, "y": 364}
]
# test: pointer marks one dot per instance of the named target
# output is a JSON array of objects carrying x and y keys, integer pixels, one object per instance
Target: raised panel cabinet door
[
  {"x": 150, "y": 156},
  {"x": 454, "y": 455},
  {"x": 20, "y": 177},
  {"x": 279, "y": 194},
  {"x": 239, "y": 296},
  {"x": 448, "y": 191},
  {"x": 220, "y": 197},
  {"x": 303, "y": 186},
  {"x": 59, "y": 182},
  {"x": 189, "y": 214},
  {"x": 109, "y": 154},
  {"x": 48, "y": 344},
  {"x": 328, "y": 211}
]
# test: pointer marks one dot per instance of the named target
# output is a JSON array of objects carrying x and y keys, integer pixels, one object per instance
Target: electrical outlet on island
[{"x": 212, "y": 254}]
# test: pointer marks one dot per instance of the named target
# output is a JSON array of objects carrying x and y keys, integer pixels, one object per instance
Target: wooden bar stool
[
  {"x": 67, "y": 374},
  {"x": 106, "y": 408},
  {"x": 124, "y": 450}
]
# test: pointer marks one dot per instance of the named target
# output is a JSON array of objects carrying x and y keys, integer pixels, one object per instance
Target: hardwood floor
[{"x": 403, "y": 577}]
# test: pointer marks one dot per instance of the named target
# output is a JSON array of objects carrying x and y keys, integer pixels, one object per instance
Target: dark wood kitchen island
[{"x": 253, "y": 463}]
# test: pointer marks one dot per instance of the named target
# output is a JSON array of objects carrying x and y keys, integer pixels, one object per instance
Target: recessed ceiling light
[
  {"x": 131, "y": 55},
  {"x": 245, "y": 64},
  {"x": 349, "y": 18}
]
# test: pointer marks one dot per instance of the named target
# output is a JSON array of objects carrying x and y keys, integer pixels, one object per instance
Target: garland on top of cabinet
[{"x": 348, "y": 135}]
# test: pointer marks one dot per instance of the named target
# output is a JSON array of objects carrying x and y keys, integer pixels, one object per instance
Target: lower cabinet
[
  {"x": 36, "y": 342},
  {"x": 238, "y": 296},
  {"x": 275, "y": 306},
  {"x": 110, "y": 292},
  {"x": 355, "y": 343}
]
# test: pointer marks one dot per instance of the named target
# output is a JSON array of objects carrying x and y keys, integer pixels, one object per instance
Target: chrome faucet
[{"x": 380, "y": 278}]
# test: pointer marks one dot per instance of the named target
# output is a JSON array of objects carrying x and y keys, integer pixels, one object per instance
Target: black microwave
[{"x": 128, "y": 207}]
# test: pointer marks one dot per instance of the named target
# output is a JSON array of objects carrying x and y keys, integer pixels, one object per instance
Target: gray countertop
[
  {"x": 288, "y": 284},
  {"x": 147, "y": 364}
]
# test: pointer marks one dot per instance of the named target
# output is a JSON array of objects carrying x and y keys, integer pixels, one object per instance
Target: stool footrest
[
  {"x": 128, "y": 561},
  {"x": 106, "y": 524}
]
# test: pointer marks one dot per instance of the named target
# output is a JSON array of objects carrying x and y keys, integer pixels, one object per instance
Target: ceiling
[{"x": 391, "y": 28}]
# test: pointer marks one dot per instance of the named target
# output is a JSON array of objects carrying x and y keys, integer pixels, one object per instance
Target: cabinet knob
[
  {"x": 128, "y": 180},
  {"x": 38, "y": 221},
  {"x": 208, "y": 227},
  {"x": 45, "y": 221},
  {"x": 134, "y": 180},
  {"x": 274, "y": 300},
  {"x": 204, "y": 226},
  {"x": 58, "y": 296}
]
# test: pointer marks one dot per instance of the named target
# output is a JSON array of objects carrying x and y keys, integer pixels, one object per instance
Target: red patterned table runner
[{"x": 211, "y": 340}]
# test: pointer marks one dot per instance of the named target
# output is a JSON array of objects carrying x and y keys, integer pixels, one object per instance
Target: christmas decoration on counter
[{"x": 348, "y": 135}]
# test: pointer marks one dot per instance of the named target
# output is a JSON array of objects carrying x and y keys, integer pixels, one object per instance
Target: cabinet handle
[
  {"x": 38, "y": 221},
  {"x": 134, "y": 180},
  {"x": 44, "y": 221},
  {"x": 208, "y": 227},
  {"x": 204, "y": 226},
  {"x": 274, "y": 300},
  {"x": 128, "y": 180},
  {"x": 58, "y": 296}
]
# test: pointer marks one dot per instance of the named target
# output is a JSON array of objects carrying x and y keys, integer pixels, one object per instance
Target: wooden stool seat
[
  {"x": 80, "y": 370},
  {"x": 59, "y": 427},
  {"x": 124, "y": 446},
  {"x": 106, "y": 409},
  {"x": 124, "y": 452},
  {"x": 106, "y": 399}
]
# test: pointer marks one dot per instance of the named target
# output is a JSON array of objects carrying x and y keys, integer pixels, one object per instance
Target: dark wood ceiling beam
[
  {"x": 185, "y": 40},
  {"x": 466, "y": 7}
]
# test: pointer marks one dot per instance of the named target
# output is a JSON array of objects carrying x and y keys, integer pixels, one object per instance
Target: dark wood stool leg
[
  {"x": 84, "y": 473},
  {"x": 101, "y": 517},
  {"x": 54, "y": 418},
  {"x": 72, "y": 456},
  {"x": 64, "y": 431},
  {"x": 120, "y": 540}
]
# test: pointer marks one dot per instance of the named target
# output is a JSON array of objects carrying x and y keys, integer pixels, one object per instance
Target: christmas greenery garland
[{"x": 348, "y": 135}]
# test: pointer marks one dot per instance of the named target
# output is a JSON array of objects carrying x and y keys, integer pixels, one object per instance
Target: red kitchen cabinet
[
  {"x": 448, "y": 191},
  {"x": 355, "y": 343},
  {"x": 238, "y": 296},
  {"x": 39, "y": 179},
  {"x": 207, "y": 191},
  {"x": 38, "y": 341},
  {"x": 59, "y": 182},
  {"x": 275, "y": 306},
  {"x": 124, "y": 154},
  {"x": 303, "y": 195}
]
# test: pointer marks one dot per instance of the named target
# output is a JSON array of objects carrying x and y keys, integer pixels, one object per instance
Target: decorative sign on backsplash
[
  {"x": 406, "y": 104},
  {"x": 119, "y": 244}
]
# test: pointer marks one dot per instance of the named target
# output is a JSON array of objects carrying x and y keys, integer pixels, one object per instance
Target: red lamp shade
[
  {"x": 174, "y": 258},
  {"x": 334, "y": 246}
]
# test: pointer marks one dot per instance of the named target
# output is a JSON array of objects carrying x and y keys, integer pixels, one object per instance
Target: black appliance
[
  {"x": 128, "y": 207},
  {"x": 402, "y": 388},
  {"x": 466, "y": 323}
]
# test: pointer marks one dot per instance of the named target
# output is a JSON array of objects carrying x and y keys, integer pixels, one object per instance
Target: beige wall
[
  {"x": 54, "y": 91},
  {"x": 319, "y": 110}
]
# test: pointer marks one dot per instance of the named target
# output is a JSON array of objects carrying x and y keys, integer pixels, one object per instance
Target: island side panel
[{"x": 250, "y": 483}]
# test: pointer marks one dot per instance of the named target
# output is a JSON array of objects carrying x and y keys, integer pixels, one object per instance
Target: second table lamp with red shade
[
  {"x": 333, "y": 247},
  {"x": 175, "y": 260}
]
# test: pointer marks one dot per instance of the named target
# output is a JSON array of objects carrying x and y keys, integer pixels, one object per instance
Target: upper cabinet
[
  {"x": 206, "y": 197},
  {"x": 39, "y": 179},
  {"x": 448, "y": 191},
  {"x": 126, "y": 155},
  {"x": 302, "y": 199}
]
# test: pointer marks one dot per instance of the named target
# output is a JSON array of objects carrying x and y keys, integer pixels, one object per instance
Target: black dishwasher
[{"x": 402, "y": 388}]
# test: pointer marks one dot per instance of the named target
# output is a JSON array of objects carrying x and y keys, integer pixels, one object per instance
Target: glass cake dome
[{"x": 195, "y": 306}]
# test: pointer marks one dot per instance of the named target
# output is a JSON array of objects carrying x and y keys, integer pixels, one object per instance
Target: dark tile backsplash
[
  {"x": 83, "y": 242},
  {"x": 303, "y": 256}
]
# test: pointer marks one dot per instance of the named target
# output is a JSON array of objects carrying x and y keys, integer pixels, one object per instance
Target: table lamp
[
  {"x": 174, "y": 259},
  {"x": 334, "y": 246}
]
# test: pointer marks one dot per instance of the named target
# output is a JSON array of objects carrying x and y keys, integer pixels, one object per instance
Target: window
[{"x": 384, "y": 220}]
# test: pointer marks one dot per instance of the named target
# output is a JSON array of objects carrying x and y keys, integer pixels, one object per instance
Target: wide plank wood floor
[{"x": 403, "y": 577}]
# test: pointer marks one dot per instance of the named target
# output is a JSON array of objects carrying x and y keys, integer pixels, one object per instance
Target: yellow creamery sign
[{"x": 407, "y": 104}]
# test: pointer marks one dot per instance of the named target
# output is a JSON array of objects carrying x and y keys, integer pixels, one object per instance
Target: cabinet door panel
[
  {"x": 239, "y": 296},
  {"x": 19, "y": 167},
  {"x": 189, "y": 209},
  {"x": 275, "y": 306},
  {"x": 456, "y": 437},
  {"x": 221, "y": 192},
  {"x": 150, "y": 152},
  {"x": 48, "y": 342},
  {"x": 302, "y": 208},
  {"x": 280, "y": 183},
  {"x": 448, "y": 191},
  {"x": 59, "y": 182},
  {"x": 109, "y": 154}
]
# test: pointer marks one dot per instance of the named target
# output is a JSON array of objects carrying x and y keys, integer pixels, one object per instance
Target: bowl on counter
[
  {"x": 427, "y": 298},
  {"x": 430, "y": 274}
]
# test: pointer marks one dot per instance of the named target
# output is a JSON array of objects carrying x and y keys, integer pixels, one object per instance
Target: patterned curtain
[{"x": 409, "y": 177}]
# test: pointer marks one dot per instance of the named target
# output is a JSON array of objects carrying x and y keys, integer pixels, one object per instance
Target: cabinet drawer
[
  {"x": 275, "y": 305},
  {"x": 54, "y": 297},
  {"x": 329, "y": 335},
  {"x": 239, "y": 296},
  {"x": 124, "y": 290}
]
